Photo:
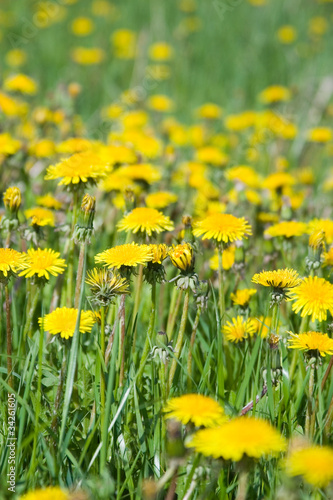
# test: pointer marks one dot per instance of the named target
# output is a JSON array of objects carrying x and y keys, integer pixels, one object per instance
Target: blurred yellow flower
[
  {"x": 209, "y": 111},
  {"x": 313, "y": 463},
  {"x": 79, "y": 168},
  {"x": 40, "y": 216},
  {"x": 50, "y": 493},
  {"x": 16, "y": 57},
  {"x": 275, "y": 93},
  {"x": 242, "y": 297},
  {"x": 242, "y": 436},
  {"x": 288, "y": 229},
  {"x": 195, "y": 408},
  {"x": 87, "y": 56},
  {"x": 287, "y": 34},
  {"x": 161, "y": 199},
  {"x": 20, "y": 83},
  {"x": 160, "y": 103},
  {"x": 124, "y": 43},
  {"x": 160, "y": 51},
  {"x": 82, "y": 26},
  {"x": 320, "y": 134}
]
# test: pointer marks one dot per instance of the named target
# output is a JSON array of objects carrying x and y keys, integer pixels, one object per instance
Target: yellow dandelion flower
[
  {"x": 51, "y": 493},
  {"x": 182, "y": 257},
  {"x": 262, "y": 325},
  {"x": 240, "y": 436},
  {"x": 320, "y": 134},
  {"x": 242, "y": 297},
  {"x": 16, "y": 57},
  {"x": 211, "y": 155},
  {"x": 278, "y": 180},
  {"x": 78, "y": 168},
  {"x": 12, "y": 107},
  {"x": 74, "y": 145},
  {"x": 195, "y": 408},
  {"x": 160, "y": 103},
  {"x": 20, "y": 83},
  {"x": 145, "y": 220},
  {"x": 238, "y": 329},
  {"x": 140, "y": 172},
  {"x": 124, "y": 43},
  {"x": 8, "y": 145},
  {"x": 228, "y": 259},
  {"x": 11, "y": 261},
  {"x": 328, "y": 257},
  {"x": 160, "y": 252},
  {"x": 12, "y": 198},
  {"x": 48, "y": 201},
  {"x": 87, "y": 56},
  {"x": 40, "y": 216},
  {"x": 281, "y": 278},
  {"x": 314, "y": 464},
  {"x": 313, "y": 297},
  {"x": 324, "y": 225},
  {"x": 160, "y": 51},
  {"x": 161, "y": 199},
  {"x": 288, "y": 229},
  {"x": 274, "y": 93},
  {"x": 243, "y": 174},
  {"x": 82, "y": 26},
  {"x": 42, "y": 263},
  {"x": 312, "y": 341},
  {"x": 209, "y": 111},
  {"x": 129, "y": 255},
  {"x": 241, "y": 121},
  {"x": 42, "y": 148},
  {"x": 222, "y": 227},
  {"x": 63, "y": 320},
  {"x": 287, "y": 34}
]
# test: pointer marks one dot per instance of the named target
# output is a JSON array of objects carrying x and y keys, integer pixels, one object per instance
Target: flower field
[{"x": 166, "y": 250}]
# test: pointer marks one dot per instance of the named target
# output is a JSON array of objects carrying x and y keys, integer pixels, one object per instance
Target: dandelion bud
[
  {"x": 12, "y": 199},
  {"x": 317, "y": 239},
  {"x": 182, "y": 257},
  {"x": 106, "y": 285},
  {"x": 84, "y": 229},
  {"x": 149, "y": 489}
]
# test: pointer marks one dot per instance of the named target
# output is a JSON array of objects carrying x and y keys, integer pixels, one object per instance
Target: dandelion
[
  {"x": 148, "y": 221},
  {"x": 280, "y": 279},
  {"x": 40, "y": 216},
  {"x": 42, "y": 263},
  {"x": 12, "y": 199},
  {"x": 129, "y": 255},
  {"x": 63, "y": 320},
  {"x": 314, "y": 464},
  {"x": 224, "y": 228},
  {"x": 242, "y": 297},
  {"x": 11, "y": 261},
  {"x": 197, "y": 409},
  {"x": 320, "y": 134},
  {"x": 20, "y": 83},
  {"x": 160, "y": 199},
  {"x": 243, "y": 436},
  {"x": 275, "y": 93},
  {"x": 239, "y": 329},
  {"x": 312, "y": 341},
  {"x": 49, "y": 201},
  {"x": 288, "y": 229},
  {"x": 106, "y": 285},
  {"x": 182, "y": 257},
  {"x": 78, "y": 169},
  {"x": 313, "y": 297}
]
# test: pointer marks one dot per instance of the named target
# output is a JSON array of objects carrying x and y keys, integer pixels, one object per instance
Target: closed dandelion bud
[
  {"x": 12, "y": 199},
  {"x": 12, "y": 202},
  {"x": 182, "y": 257},
  {"x": 85, "y": 227},
  {"x": 187, "y": 221}
]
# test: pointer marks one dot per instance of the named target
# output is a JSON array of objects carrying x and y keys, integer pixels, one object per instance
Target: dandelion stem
[
  {"x": 148, "y": 341},
  {"x": 174, "y": 308},
  {"x": 70, "y": 260},
  {"x": 221, "y": 288},
  {"x": 193, "y": 335},
  {"x": 79, "y": 275},
  {"x": 31, "y": 312},
  {"x": 9, "y": 339},
  {"x": 242, "y": 485},
  {"x": 180, "y": 339},
  {"x": 122, "y": 340},
  {"x": 136, "y": 305},
  {"x": 312, "y": 368}
]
